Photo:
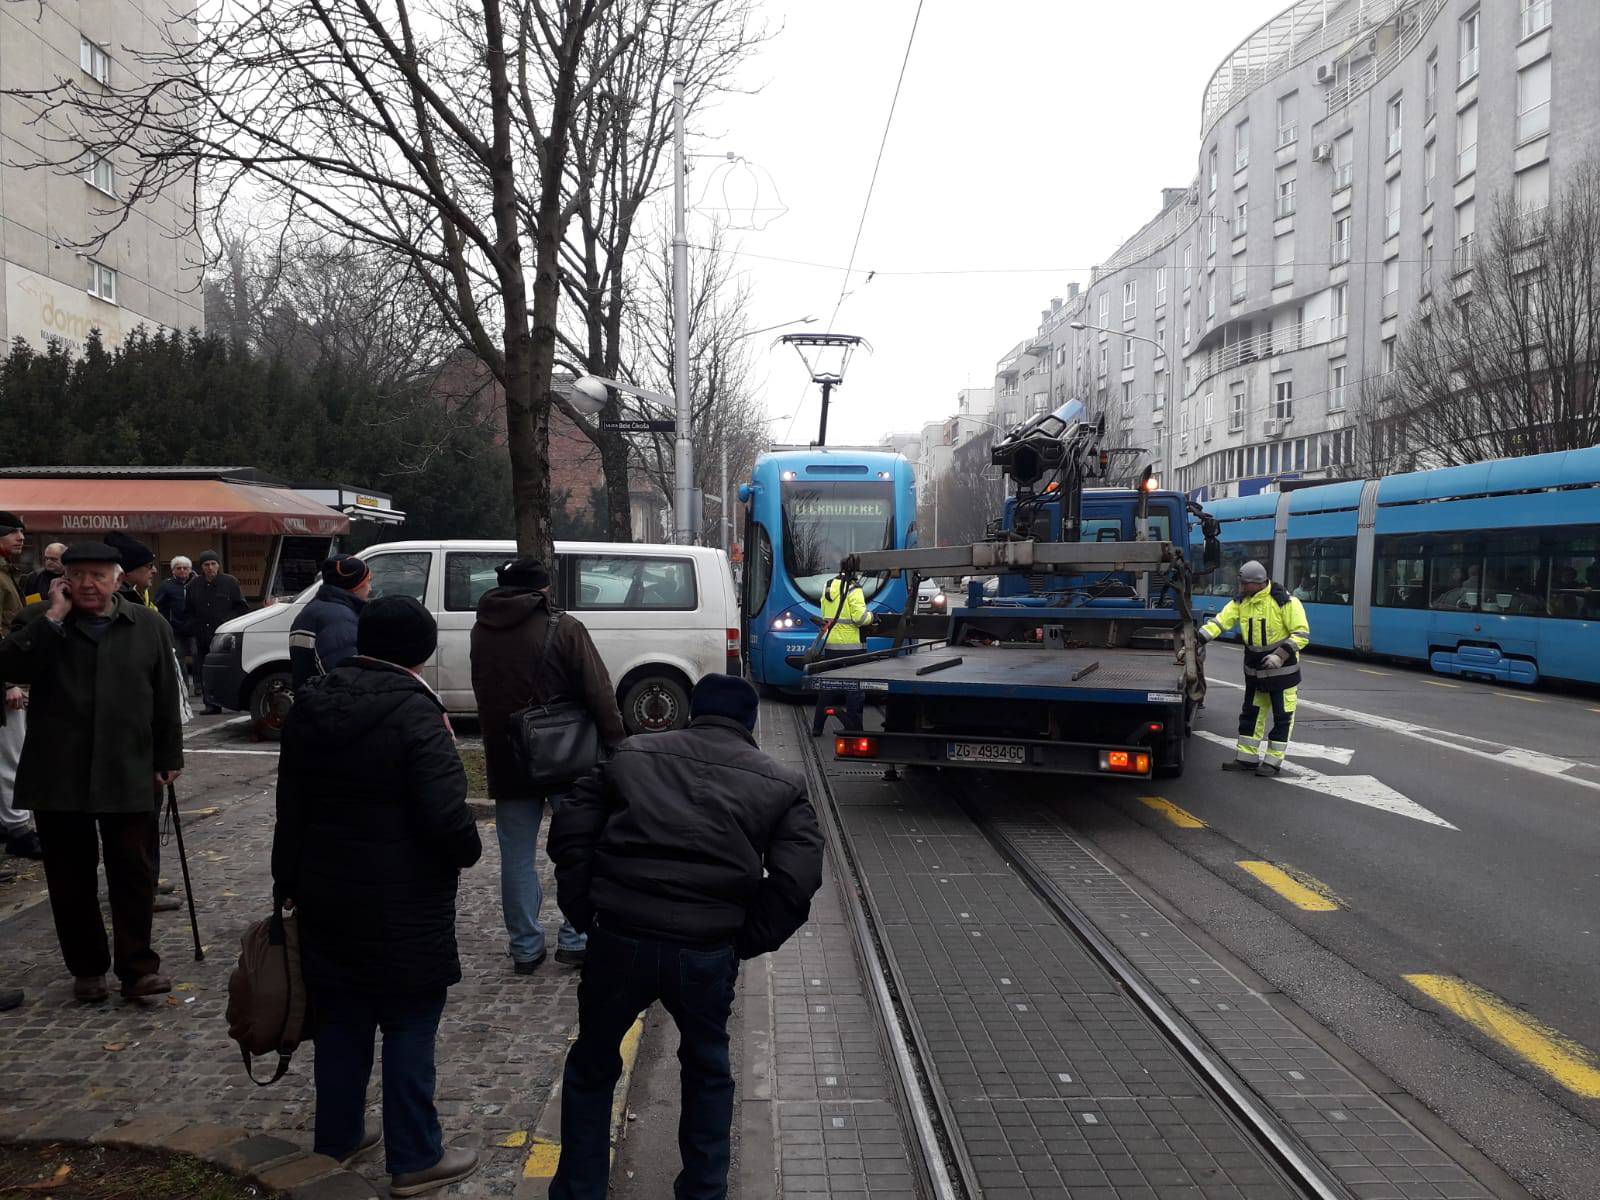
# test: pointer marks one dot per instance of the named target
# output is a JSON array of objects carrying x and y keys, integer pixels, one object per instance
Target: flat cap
[{"x": 90, "y": 552}]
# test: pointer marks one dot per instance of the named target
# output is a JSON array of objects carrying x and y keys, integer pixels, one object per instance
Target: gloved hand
[
  {"x": 1205, "y": 636},
  {"x": 1275, "y": 660}
]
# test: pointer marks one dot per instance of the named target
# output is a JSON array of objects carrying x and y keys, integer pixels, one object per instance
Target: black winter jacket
[
  {"x": 212, "y": 602},
  {"x": 324, "y": 633},
  {"x": 172, "y": 602},
  {"x": 373, "y": 830},
  {"x": 690, "y": 836}
]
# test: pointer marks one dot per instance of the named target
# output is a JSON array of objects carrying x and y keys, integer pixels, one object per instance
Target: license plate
[{"x": 998, "y": 752}]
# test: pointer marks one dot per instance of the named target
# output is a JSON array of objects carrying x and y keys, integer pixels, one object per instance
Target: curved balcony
[{"x": 1286, "y": 340}]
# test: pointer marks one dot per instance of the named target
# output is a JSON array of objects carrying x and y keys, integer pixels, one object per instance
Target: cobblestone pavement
[{"x": 501, "y": 1043}]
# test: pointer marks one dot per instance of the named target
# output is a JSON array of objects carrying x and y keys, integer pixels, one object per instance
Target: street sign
[{"x": 640, "y": 426}]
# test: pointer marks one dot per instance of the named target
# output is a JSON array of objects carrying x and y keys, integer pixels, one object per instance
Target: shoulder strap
[{"x": 544, "y": 655}]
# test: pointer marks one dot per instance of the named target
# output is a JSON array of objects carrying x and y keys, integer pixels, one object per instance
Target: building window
[
  {"x": 1241, "y": 214},
  {"x": 1391, "y": 287},
  {"x": 1236, "y": 408},
  {"x": 1393, "y": 123},
  {"x": 1430, "y": 87},
  {"x": 1288, "y": 128},
  {"x": 1130, "y": 300},
  {"x": 1535, "y": 16},
  {"x": 1337, "y": 374},
  {"x": 1211, "y": 233},
  {"x": 1343, "y": 160},
  {"x": 94, "y": 60},
  {"x": 1391, "y": 207},
  {"x": 1161, "y": 286},
  {"x": 1283, "y": 260},
  {"x": 1188, "y": 267},
  {"x": 1340, "y": 308},
  {"x": 1533, "y": 100},
  {"x": 1127, "y": 354},
  {"x": 1531, "y": 190},
  {"x": 1160, "y": 399},
  {"x": 1211, "y": 298},
  {"x": 1161, "y": 340},
  {"x": 1283, "y": 397},
  {"x": 1238, "y": 292},
  {"x": 1427, "y": 262},
  {"x": 1469, "y": 46},
  {"x": 1286, "y": 190},
  {"x": 1386, "y": 359},
  {"x": 102, "y": 282},
  {"x": 1341, "y": 239},
  {"x": 1102, "y": 363},
  {"x": 1467, "y": 140},
  {"x": 1105, "y": 307},
  {"x": 1187, "y": 327},
  {"x": 1430, "y": 169},
  {"x": 1241, "y": 145},
  {"x": 1213, "y": 170},
  {"x": 98, "y": 173}
]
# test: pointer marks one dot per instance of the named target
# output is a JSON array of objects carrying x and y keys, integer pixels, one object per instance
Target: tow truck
[{"x": 1085, "y": 658}]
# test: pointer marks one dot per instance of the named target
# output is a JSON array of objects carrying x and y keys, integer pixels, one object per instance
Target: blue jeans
[
  {"x": 516, "y": 826},
  {"x": 622, "y": 977},
  {"x": 346, "y": 1023}
]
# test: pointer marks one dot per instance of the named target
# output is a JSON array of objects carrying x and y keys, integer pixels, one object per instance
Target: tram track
[{"x": 946, "y": 1169}]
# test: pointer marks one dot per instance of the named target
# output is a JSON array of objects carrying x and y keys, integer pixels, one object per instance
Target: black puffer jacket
[
  {"x": 690, "y": 836},
  {"x": 373, "y": 829}
]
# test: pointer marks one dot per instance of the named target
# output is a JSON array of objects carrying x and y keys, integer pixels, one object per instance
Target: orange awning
[{"x": 92, "y": 507}]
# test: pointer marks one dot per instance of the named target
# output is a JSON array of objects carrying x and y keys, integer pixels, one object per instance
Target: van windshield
[{"x": 824, "y": 520}]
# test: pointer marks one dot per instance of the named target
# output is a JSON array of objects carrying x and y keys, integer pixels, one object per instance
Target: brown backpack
[{"x": 267, "y": 1009}]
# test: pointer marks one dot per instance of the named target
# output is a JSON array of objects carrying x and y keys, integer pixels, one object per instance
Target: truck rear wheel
[{"x": 1169, "y": 760}]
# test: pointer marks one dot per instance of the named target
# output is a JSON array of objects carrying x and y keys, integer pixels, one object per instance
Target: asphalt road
[{"x": 1441, "y": 915}]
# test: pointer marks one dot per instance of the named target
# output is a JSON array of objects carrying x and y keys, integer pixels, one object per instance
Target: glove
[
  {"x": 1205, "y": 636},
  {"x": 1275, "y": 660}
]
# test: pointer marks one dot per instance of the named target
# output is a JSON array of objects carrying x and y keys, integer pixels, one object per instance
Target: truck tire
[
  {"x": 270, "y": 701},
  {"x": 654, "y": 704},
  {"x": 1169, "y": 763}
]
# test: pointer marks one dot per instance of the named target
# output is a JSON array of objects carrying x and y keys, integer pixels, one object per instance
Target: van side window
[
  {"x": 402, "y": 573},
  {"x": 631, "y": 582},
  {"x": 468, "y": 574}
]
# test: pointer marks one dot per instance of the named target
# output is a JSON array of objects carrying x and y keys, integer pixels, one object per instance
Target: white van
[{"x": 661, "y": 617}]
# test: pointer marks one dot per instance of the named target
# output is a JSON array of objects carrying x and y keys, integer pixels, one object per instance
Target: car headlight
[
  {"x": 223, "y": 642},
  {"x": 938, "y": 601}
]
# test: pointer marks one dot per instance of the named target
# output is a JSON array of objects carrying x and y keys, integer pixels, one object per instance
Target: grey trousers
[{"x": 13, "y": 821}]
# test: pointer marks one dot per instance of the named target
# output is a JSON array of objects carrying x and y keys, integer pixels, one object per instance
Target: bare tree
[
  {"x": 435, "y": 131},
  {"x": 1503, "y": 358},
  {"x": 619, "y": 162}
]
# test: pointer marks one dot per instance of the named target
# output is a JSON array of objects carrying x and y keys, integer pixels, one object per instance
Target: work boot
[
  {"x": 24, "y": 845},
  {"x": 1236, "y": 764},
  {"x": 456, "y": 1165},
  {"x": 89, "y": 989},
  {"x": 10, "y": 998},
  {"x": 527, "y": 966},
  {"x": 1269, "y": 770},
  {"x": 166, "y": 904},
  {"x": 371, "y": 1139},
  {"x": 571, "y": 958},
  {"x": 146, "y": 985}
]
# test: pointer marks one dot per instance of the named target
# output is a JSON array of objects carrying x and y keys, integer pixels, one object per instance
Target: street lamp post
[
  {"x": 1166, "y": 439},
  {"x": 683, "y": 449}
]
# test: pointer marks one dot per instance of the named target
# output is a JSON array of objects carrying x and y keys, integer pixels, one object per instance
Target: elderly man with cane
[{"x": 93, "y": 757}]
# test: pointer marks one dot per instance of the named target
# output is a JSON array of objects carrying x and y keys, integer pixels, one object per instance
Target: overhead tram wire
[{"x": 872, "y": 183}]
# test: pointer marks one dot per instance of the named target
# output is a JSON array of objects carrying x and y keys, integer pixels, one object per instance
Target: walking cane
[{"x": 183, "y": 861}]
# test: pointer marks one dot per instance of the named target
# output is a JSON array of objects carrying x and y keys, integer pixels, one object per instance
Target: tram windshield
[{"x": 824, "y": 520}]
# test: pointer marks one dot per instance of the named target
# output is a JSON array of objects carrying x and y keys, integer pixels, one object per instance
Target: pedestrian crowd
[{"x": 677, "y": 855}]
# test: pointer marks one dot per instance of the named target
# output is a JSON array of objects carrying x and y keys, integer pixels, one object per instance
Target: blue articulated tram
[{"x": 1490, "y": 570}]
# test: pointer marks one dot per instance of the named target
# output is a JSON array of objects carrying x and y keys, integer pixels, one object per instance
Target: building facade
[
  {"x": 1349, "y": 152},
  {"x": 147, "y": 272}
]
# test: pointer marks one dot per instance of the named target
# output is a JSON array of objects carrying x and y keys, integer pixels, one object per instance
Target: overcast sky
[{"x": 1031, "y": 138}]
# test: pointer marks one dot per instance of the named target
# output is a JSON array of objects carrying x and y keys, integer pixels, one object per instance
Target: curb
[
  {"x": 262, "y": 1159},
  {"x": 544, "y": 1143}
]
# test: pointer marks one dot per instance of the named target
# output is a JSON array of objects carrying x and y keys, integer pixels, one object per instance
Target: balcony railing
[
  {"x": 1461, "y": 259},
  {"x": 1534, "y": 122},
  {"x": 1288, "y": 135},
  {"x": 1376, "y": 67},
  {"x": 1339, "y": 252},
  {"x": 1264, "y": 345},
  {"x": 1535, "y": 16},
  {"x": 1286, "y": 205},
  {"x": 1342, "y": 175},
  {"x": 1336, "y": 398}
]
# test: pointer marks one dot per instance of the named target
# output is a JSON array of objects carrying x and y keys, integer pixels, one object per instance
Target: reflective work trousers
[{"x": 1253, "y": 727}]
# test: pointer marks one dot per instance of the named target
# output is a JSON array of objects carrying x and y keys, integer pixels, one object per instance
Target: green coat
[{"x": 102, "y": 719}]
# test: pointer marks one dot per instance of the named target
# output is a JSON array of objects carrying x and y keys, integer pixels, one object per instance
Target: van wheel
[
  {"x": 270, "y": 701},
  {"x": 655, "y": 704}
]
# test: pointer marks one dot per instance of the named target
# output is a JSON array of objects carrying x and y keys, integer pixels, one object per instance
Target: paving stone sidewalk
[{"x": 501, "y": 1043}]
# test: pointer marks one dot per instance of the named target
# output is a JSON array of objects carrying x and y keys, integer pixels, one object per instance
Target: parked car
[
  {"x": 931, "y": 596},
  {"x": 661, "y": 616}
]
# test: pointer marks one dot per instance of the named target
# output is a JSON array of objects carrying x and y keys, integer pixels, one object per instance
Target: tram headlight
[{"x": 784, "y": 623}]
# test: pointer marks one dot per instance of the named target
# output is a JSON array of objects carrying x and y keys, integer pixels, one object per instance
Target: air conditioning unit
[
  {"x": 1372, "y": 44},
  {"x": 1272, "y": 428},
  {"x": 1325, "y": 73},
  {"x": 1323, "y": 152}
]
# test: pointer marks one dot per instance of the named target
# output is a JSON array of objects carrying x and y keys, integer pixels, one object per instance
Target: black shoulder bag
[{"x": 556, "y": 743}]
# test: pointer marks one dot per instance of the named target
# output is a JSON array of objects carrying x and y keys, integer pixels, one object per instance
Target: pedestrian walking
[
  {"x": 172, "y": 602},
  {"x": 37, "y": 583},
  {"x": 213, "y": 599},
  {"x": 1272, "y": 623},
  {"x": 845, "y": 614},
  {"x": 15, "y": 824},
  {"x": 324, "y": 632},
  {"x": 373, "y": 832},
  {"x": 94, "y": 754},
  {"x": 515, "y": 621},
  {"x": 686, "y": 853}
]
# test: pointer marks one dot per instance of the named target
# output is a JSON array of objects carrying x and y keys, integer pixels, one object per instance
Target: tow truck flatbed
[{"x": 1113, "y": 675}]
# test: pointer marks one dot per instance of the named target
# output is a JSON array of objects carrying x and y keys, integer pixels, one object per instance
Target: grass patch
[
  {"x": 477, "y": 772},
  {"x": 103, "y": 1173}
]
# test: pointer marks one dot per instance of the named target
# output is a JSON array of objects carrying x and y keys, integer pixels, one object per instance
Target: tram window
[
  {"x": 1456, "y": 575},
  {"x": 1320, "y": 569},
  {"x": 760, "y": 568},
  {"x": 1224, "y": 581},
  {"x": 1512, "y": 576},
  {"x": 1573, "y": 555},
  {"x": 1400, "y": 573}
]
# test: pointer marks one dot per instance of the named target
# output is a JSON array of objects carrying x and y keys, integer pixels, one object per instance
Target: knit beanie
[
  {"x": 523, "y": 573},
  {"x": 397, "y": 629},
  {"x": 345, "y": 571},
  {"x": 725, "y": 696},
  {"x": 134, "y": 554}
]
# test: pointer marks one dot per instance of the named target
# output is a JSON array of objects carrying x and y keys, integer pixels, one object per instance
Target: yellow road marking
[
  {"x": 1439, "y": 683},
  {"x": 1574, "y": 1067},
  {"x": 1520, "y": 696},
  {"x": 542, "y": 1160},
  {"x": 514, "y": 1141},
  {"x": 1300, "y": 890},
  {"x": 1370, "y": 671},
  {"x": 1169, "y": 810},
  {"x": 545, "y": 1153}
]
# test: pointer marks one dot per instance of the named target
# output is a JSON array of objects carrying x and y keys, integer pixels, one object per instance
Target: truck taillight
[
  {"x": 855, "y": 747},
  {"x": 734, "y": 663},
  {"x": 1125, "y": 762}
]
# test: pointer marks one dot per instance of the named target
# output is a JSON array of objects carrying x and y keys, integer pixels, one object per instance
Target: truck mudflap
[{"x": 997, "y": 754}]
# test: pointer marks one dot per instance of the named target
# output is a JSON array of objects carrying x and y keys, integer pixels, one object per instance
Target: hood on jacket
[
  {"x": 351, "y": 700},
  {"x": 332, "y": 594},
  {"x": 506, "y": 608}
]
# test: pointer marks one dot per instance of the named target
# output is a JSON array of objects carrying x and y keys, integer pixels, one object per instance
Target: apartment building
[
  {"x": 148, "y": 271},
  {"x": 1348, "y": 152}
]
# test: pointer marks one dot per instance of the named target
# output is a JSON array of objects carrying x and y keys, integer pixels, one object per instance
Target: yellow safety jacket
[
  {"x": 1270, "y": 620},
  {"x": 848, "y": 617}
]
